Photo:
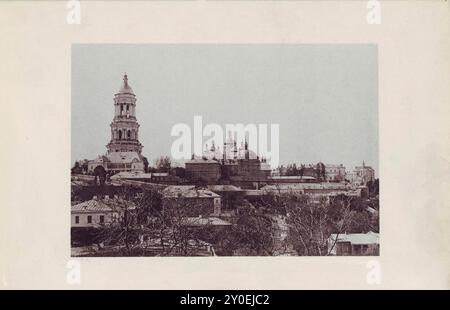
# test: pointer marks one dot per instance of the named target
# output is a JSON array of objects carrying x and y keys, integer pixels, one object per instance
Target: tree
[
  {"x": 85, "y": 165},
  {"x": 145, "y": 161},
  {"x": 252, "y": 234},
  {"x": 154, "y": 226},
  {"x": 180, "y": 172},
  {"x": 124, "y": 232},
  {"x": 181, "y": 230},
  {"x": 373, "y": 187},
  {"x": 76, "y": 169},
  {"x": 302, "y": 170},
  {"x": 311, "y": 222},
  {"x": 320, "y": 172},
  {"x": 163, "y": 164},
  {"x": 100, "y": 176}
]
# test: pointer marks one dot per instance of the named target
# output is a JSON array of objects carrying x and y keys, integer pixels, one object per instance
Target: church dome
[{"x": 126, "y": 89}]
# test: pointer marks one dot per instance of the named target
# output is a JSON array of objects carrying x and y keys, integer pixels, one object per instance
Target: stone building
[
  {"x": 243, "y": 168},
  {"x": 362, "y": 244},
  {"x": 204, "y": 170},
  {"x": 335, "y": 173},
  {"x": 193, "y": 201},
  {"x": 361, "y": 175},
  {"x": 124, "y": 149},
  {"x": 99, "y": 211}
]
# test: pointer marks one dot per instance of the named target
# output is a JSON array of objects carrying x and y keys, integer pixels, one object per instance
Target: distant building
[
  {"x": 165, "y": 178},
  {"x": 97, "y": 212},
  {"x": 231, "y": 197},
  {"x": 315, "y": 191},
  {"x": 244, "y": 169},
  {"x": 292, "y": 179},
  {"x": 195, "y": 201},
  {"x": 118, "y": 162},
  {"x": 361, "y": 175},
  {"x": 132, "y": 175},
  {"x": 304, "y": 173},
  {"x": 124, "y": 148},
  {"x": 354, "y": 244},
  {"x": 334, "y": 173},
  {"x": 204, "y": 170}
]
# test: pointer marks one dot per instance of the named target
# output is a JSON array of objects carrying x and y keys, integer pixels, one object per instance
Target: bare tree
[
  {"x": 185, "y": 226},
  {"x": 312, "y": 221},
  {"x": 163, "y": 164}
]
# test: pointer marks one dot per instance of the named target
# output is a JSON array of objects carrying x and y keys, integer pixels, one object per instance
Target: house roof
[
  {"x": 101, "y": 205},
  {"x": 301, "y": 186},
  {"x": 160, "y": 174},
  {"x": 224, "y": 188},
  {"x": 368, "y": 238},
  {"x": 123, "y": 157},
  {"x": 187, "y": 191},
  {"x": 265, "y": 166},
  {"x": 131, "y": 175},
  {"x": 293, "y": 177},
  {"x": 204, "y": 221},
  {"x": 334, "y": 166},
  {"x": 202, "y": 161}
]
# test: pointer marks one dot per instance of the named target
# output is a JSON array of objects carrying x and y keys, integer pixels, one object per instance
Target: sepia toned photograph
[
  {"x": 224, "y": 150},
  {"x": 216, "y": 151}
]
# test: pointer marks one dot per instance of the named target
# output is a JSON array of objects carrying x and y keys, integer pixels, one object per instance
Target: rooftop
[
  {"x": 202, "y": 161},
  {"x": 368, "y": 238},
  {"x": 204, "y": 221},
  {"x": 131, "y": 175},
  {"x": 188, "y": 191},
  {"x": 101, "y": 205},
  {"x": 299, "y": 186},
  {"x": 224, "y": 188},
  {"x": 123, "y": 157},
  {"x": 293, "y": 177}
]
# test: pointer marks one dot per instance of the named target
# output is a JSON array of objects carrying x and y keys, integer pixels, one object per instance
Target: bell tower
[{"x": 124, "y": 127}]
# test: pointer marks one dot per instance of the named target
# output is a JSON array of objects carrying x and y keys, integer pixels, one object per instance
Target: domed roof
[{"x": 126, "y": 89}]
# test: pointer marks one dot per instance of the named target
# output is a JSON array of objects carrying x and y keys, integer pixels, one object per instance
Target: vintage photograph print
[{"x": 224, "y": 150}]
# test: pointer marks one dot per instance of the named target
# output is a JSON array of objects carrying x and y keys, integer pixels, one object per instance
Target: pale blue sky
[{"x": 325, "y": 97}]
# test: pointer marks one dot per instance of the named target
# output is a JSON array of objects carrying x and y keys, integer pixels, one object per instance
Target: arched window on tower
[
  {"x": 120, "y": 135},
  {"x": 129, "y": 134}
]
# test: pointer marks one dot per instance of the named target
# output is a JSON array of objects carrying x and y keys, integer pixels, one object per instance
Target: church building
[{"x": 124, "y": 149}]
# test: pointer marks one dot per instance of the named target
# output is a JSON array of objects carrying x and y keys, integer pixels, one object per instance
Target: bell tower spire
[
  {"x": 125, "y": 80},
  {"x": 124, "y": 127}
]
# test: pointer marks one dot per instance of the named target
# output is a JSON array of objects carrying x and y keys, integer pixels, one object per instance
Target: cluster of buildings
[
  {"x": 215, "y": 180},
  {"x": 235, "y": 164},
  {"x": 324, "y": 173},
  {"x": 238, "y": 166}
]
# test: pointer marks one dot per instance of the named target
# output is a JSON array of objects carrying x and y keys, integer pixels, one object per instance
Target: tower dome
[{"x": 126, "y": 89}]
